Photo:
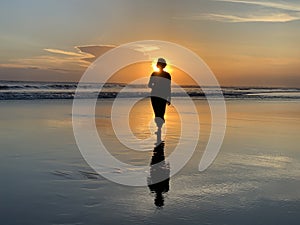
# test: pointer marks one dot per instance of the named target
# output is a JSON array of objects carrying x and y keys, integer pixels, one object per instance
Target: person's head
[{"x": 161, "y": 64}]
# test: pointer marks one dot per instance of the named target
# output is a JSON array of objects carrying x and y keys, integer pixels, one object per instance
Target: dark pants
[{"x": 159, "y": 106}]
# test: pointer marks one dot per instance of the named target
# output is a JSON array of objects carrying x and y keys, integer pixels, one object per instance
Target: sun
[{"x": 155, "y": 69}]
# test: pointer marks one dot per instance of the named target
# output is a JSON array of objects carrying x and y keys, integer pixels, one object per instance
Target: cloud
[
  {"x": 272, "y": 12},
  {"x": 94, "y": 51},
  {"x": 145, "y": 48},
  {"x": 277, "y": 5},
  {"x": 98, "y": 50},
  {"x": 58, "y": 51},
  {"x": 62, "y": 61},
  {"x": 47, "y": 62},
  {"x": 274, "y": 18}
]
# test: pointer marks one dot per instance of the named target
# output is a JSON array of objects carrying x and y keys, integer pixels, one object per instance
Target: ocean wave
[{"x": 41, "y": 90}]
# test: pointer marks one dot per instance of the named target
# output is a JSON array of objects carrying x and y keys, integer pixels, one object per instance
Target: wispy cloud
[
  {"x": 274, "y": 18},
  {"x": 277, "y": 5},
  {"x": 62, "y": 52},
  {"x": 47, "y": 62},
  {"x": 263, "y": 11},
  {"x": 60, "y": 60},
  {"x": 145, "y": 48},
  {"x": 93, "y": 51}
]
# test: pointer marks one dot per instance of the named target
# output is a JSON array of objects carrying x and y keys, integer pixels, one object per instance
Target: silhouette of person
[
  {"x": 158, "y": 173},
  {"x": 160, "y": 83}
]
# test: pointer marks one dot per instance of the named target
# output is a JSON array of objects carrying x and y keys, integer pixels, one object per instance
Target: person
[{"x": 160, "y": 84}]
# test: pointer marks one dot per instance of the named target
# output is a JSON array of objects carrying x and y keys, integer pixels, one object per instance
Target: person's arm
[
  {"x": 169, "y": 99},
  {"x": 169, "y": 94},
  {"x": 169, "y": 102},
  {"x": 150, "y": 84}
]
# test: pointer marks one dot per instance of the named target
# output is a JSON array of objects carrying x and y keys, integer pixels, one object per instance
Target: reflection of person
[
  {"x": 157, "y": 173},
  {"x": 160, "y": 83}
]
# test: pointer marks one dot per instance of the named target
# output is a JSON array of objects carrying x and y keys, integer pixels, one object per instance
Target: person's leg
[
  {"x": 155, "y": 105},
  {"x": 161, "y": 108}
]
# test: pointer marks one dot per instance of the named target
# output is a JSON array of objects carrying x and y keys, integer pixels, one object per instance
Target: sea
[{"x": 29, "y": 90}]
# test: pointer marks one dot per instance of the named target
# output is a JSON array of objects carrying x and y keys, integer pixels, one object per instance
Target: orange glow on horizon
[{"x": 145, "y": 69}]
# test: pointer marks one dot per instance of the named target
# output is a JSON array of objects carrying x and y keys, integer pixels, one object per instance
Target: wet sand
[{"x": 254, "y": 180}]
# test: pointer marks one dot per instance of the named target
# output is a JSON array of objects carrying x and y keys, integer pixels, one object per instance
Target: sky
[{"x": 244, "y": 42}]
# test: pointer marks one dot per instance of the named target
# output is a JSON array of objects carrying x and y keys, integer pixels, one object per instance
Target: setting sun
[{"x": 154, "y": 67}]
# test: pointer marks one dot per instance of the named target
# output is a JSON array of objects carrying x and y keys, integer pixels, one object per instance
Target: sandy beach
[
  {"x": 254, "y": 180},
  {"x": 87, "y": 135}
]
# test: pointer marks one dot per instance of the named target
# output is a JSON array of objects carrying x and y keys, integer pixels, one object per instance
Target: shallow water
[{"x": 254, "y": 180}]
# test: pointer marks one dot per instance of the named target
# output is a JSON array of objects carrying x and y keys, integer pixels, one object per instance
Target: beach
[
  {"x": 254, "y": 179},
  {"x": 150, "y": 112}
]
